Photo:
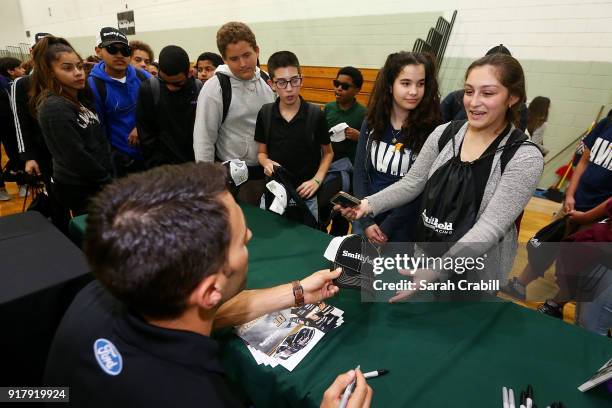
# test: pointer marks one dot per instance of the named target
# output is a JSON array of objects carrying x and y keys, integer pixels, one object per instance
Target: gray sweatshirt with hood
[
  {"x": 505, "y": 197},
  {"x": 234, "y": 138}
]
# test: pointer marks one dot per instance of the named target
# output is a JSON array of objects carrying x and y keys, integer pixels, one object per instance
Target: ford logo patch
[{"x": 108, "y": 357}]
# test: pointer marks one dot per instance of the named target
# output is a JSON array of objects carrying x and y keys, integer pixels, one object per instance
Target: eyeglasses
[
  {"x": 114, "y": 49},
  {"x": 295, "y": 82},
  {"x": 345, "y": 86}
]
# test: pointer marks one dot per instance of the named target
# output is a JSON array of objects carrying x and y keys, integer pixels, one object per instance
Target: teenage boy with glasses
[
  {"x": 115, "y": 83},
  {"x": 295, "y": 139}
]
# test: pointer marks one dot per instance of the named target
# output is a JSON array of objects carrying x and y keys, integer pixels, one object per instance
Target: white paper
[{"x": 337, "y": 132}]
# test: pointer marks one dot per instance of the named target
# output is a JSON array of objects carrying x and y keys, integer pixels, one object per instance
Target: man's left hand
[{"x": 319, "y": 286}]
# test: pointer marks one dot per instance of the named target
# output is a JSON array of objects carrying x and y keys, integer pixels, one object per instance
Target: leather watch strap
[{"x": 298, "y": 293}]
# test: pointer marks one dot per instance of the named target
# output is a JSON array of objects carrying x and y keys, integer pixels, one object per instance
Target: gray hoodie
[
  {"x": 505, "y": 197},
  {"x": 234, "y": 138}
]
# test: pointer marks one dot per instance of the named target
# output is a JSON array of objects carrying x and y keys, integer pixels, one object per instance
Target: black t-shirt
[
  {"x": 481, "y": 168},
  {"x": 110, "y": 357},
  {"x": 290, "y": 146}
]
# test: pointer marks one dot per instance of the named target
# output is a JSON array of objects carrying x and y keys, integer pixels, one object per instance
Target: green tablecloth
[{"x": 439, "y": 354}]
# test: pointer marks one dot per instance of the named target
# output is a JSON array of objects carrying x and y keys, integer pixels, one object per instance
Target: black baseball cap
[
  {"x": 110, "y": 35},
  {"x": 355, "y": 255}
]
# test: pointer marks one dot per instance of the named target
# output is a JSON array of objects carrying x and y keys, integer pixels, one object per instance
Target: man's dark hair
[
  {"x": 282, "y": 59},
  {"x": 174, "y": 60},
  {"x": 354, "y": 73},
  {"x": 153, "y": 237},
  {"x": 212, "y": 57},
  {"x": 7, "y": 63}
]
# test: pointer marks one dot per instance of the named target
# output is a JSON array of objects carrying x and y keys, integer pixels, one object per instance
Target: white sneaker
[
  {"x": 23, "y": 190},
  {"x": 4, "y": 195}
]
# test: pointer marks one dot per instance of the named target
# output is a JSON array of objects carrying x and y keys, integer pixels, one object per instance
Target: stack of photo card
[{"x": 287, "y": 336}]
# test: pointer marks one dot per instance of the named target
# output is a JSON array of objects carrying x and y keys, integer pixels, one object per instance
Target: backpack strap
[
  {"x": 226, "y": 92},
  {"x": 266, "y": 116},
  {"x": 264, "y": 75},
  {"x": 311, "y": 120},
  {"x": 517, "y": 139},
  {"x": 199, "y": 84},
  {"x": 101, "y": 88},
  {"x": 449, "y": 133},
  {"x": 155, "y": 90}
]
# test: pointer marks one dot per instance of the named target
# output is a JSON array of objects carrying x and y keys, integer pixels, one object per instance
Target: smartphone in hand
[{"x": 345, "y": 200}]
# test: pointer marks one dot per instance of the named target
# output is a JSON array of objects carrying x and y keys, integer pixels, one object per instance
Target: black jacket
[
  {"x": 165, "y": 128},
  {"x": 78, "y": 145},
  {"x": 30, "y": 140}
]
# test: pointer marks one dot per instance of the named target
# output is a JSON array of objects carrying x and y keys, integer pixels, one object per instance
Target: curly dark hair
[
  {"x": 233, "y": 32},
  {"x": 423, "y": 119}
]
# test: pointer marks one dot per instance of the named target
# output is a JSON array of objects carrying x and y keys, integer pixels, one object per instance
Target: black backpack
[
  {"x": 448, "y": 205},
  {"x": 226, "y": 90}
]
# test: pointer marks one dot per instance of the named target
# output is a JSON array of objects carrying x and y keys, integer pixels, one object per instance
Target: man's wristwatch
[{"x": 298, "y": 293}]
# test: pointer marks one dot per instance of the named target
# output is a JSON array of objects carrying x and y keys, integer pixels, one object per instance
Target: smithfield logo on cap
[
  {"x": 113, "y": 33},
  {"x": 108, "y": 357}
]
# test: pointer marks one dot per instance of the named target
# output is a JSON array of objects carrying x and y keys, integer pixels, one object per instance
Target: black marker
[{"x": 376, "y": 373}]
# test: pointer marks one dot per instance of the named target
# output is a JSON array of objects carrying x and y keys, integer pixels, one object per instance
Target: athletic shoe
[
  {"x": 4, "y": 195},
  {"x": 515, "y": 289},
  {"x": 23, "y": 190},
  {"x": 551, "y": 308}
]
